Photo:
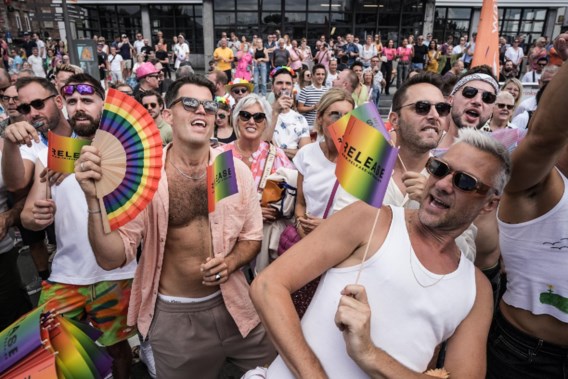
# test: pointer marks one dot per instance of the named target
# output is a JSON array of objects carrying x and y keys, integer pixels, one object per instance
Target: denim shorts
[{"x": 512, "y": 354}]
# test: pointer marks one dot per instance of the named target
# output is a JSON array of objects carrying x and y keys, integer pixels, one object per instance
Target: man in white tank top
[
  {"x": 529, "y": 335},
  {"x": 416, "y": 288}
]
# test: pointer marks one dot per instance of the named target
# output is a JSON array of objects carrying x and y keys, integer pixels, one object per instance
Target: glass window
[
  {"x": 511, "y": 27},
  {"x": 247, "y": 18},
  {"x": 224, "y": 5},
  {"x": 297, "y": 5},
  {"x": 459, "y": 13},
  {"x": 247, "y": 5},
  {"x": 513, "y": 13},
  {"x": 270, "y": 5},
  {"x": 318, "y": 18},
  {"x": 271, "y": 18},
  {"x": 224, "y": 18},
  {"x": 319, "y": 5}
]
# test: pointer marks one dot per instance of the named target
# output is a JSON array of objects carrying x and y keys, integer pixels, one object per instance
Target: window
[
  {"x": 451, "y": 22},
  {"x": 27, "y": 22},
  {"x": 18, "y": 21}
]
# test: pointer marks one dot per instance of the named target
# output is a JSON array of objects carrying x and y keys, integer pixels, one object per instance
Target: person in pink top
[
  {"x": 296, "y": 56},
  {"x": 404, "y": 54},
  {"x": 189, "y": 295},
  {"x": 244, "y": 58},
  {"x": 389, "y": 54}
]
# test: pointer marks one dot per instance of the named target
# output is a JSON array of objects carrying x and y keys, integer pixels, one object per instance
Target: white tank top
[
  {"x": 407, "y": 321},
  {"x": 535, "y": 254}
]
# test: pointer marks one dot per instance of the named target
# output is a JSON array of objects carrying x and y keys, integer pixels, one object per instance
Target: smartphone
[
  {"x": 285, "y": 92},
  {"x": 214, "y": 142}
]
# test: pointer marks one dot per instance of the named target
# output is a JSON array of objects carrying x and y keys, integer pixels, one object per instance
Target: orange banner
[{"x": 487, "y": 42}]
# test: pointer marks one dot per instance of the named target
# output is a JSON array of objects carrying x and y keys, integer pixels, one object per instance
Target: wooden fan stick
[
  {"x": 368, "y": 245},
  {"x": 211, "y": 252},
  {"x": 47, "y": 186}
]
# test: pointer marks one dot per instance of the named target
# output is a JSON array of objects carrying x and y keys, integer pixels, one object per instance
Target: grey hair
[
  {"x": 248, "y": 101},
  {"x": 184, "y": 71},
  {"x": 484, "y": 142}
]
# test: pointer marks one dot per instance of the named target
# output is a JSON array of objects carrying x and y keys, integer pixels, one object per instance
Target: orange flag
[{"x": 487, "y": 42}]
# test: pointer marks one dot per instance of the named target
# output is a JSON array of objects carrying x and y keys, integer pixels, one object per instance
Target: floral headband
[
  {"x": 223, "y": 102},
  {"x": 282, "y": 68}
]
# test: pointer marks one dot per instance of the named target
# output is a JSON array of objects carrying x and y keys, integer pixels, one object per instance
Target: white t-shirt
[
  {"x": 515, "y": 55},
  {"x": 37, "y": 65},
  {"x": 114, "y": 61},
  {"x": 41, "y": 45},
  {"x": 138, "y": 45},
  {"x": 74, "y": 261},
  {"x": 330, "y": 78},
  {"x": 531, "y": 77},
  {"x": 33, "y": 152},
  {"x": 290, "y": 128},
  {"x": 319, "y": 179}
]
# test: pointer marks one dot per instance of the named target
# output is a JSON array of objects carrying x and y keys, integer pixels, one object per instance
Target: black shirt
[{"x": 419, "y": 53}]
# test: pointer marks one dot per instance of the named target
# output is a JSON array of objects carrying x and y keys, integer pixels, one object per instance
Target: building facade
[{"x": 202, "y": 21}]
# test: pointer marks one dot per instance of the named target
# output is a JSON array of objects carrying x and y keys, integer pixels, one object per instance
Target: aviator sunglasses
[
  {"x": 486, "y": 96},
  {"x": 37, "y": 104},
  {"x": 257, "y": 117},
  {"x": 190, "y": 104},
  {"x": 461, "y": 180},
  {"x": 423, "y": 108}
]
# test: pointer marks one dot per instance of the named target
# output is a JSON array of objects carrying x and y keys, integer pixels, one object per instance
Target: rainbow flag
[
  {"x": 221, "y": 179},
  {"x": 487, "y": 42},
  {"x": 365, "y": 162},
  {"x": 367, "y": 113},
  {"x": 63, "y": 152}
]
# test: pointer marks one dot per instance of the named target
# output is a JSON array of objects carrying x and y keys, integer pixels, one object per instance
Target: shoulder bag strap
[
  {"x": 267, "y": 167},
  {"x": 331, "y": 197}
]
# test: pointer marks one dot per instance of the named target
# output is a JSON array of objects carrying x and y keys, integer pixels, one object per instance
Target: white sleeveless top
[
  {"x": 74, "y": 261},
  {"x": 535, "y": 254},
  {"x": 408, "y": 320}
]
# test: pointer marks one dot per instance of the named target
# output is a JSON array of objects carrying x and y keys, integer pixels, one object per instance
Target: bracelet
[{"x": 91, "y": 212}]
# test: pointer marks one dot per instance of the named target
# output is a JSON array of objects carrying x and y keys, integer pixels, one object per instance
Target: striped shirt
[{"x": 309, "y": 96}]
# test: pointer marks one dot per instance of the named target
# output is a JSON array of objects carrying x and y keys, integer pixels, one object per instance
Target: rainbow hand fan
[{"x": 131, "y": 159}]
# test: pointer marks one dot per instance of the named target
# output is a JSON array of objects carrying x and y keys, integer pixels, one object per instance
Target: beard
[{"x": 84, "y": 128}]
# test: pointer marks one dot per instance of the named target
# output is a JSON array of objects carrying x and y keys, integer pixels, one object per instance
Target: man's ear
[
  {"x": 491, "y": 204},
  {"x": 393, "y": 119},
  {"x": 167, "y": 115}
]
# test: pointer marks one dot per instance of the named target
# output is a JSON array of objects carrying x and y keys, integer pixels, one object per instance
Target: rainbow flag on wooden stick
[
  {"x": 221, "y": 179},
  {"x": 365, "y": 162},
  {"x": 63, "y": 152}
]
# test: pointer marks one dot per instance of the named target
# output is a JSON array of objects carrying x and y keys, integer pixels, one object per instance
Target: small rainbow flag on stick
[
  {"x": 221, "y": 179},
  {"x": 63, "y": 152},
  {"x": 365, "y": 162}
]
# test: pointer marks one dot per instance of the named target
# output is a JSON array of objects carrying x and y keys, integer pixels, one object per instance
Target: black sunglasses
[
  {"x": 38, "y": 104},
  {"x": 486, "y": 96},
  {"x": 239, "y": 91},
  {"x": 257, "y": 117},
  {"x": 222, "y": 116},
  {"x": 83, "y": 89},
  {"x": 191, "y": 104},
  {"x": 461, "y": 180},
  {"x": 423, "y": 108},
  {"x": 508, "y": 106},
  {"x": 150, "y": 105}
]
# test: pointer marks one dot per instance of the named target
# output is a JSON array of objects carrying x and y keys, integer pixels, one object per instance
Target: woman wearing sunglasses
[
  {"x": 224, "y": 131},
  {"x": 317, "y": 185},
  {"x": 502, "y": 113},
  {"x": 250, "y": 118}
]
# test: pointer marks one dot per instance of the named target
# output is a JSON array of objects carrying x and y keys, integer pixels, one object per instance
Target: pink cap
[{"x": 146, "y": 69}]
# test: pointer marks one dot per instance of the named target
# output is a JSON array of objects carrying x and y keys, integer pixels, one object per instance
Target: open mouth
[{"x": 437, "y": 203}]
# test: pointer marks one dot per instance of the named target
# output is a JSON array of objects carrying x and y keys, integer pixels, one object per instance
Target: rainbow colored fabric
[
  {"x": 221, "y": 179},
  {"x": 63, "y": 152}
]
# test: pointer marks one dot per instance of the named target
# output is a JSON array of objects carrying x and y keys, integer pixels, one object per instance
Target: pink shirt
[
  {"x": 404, "y": 53},
  {"x": 236, "y": 218},
  {"x": 390, "y": 53}
]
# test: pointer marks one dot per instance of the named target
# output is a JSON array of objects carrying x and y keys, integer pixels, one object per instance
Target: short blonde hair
[{"x": 332, "y": 96}]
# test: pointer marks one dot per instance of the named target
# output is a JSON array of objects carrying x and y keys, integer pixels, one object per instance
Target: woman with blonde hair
[{"x": 515, "y": 88}]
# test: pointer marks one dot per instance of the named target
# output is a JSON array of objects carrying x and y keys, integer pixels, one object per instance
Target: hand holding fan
[{"x": 131, "y": 159}]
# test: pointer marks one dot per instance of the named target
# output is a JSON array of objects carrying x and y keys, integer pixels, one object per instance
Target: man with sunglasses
[
  {"x": 199, "y": 307},
  {"x": 239, "y": 88},
  {"x": 529, "y": 335},
  {"x": 10, "y": 103},
  {"x": 148, "y": 79},
  {"x": 383, "y": 326},
  {"x": 78, "y": 287},
  {"x": 472, "y": 102},
  {"x": 533, "y": 76},
  {"x": 153, "y": 102}
]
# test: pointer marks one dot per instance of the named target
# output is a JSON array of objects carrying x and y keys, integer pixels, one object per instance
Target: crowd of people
[{"x": 465, "y": 271}]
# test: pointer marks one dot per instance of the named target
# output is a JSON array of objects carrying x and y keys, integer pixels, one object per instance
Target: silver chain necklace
[
  {"x": 416, "y": 278},
  {"x": 189, "y": 176}
]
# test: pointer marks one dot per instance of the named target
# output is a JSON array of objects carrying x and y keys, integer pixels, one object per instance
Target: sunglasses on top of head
[
  {"x": 486, "y": 96},
  {"x": 38, "y": 104},
  {"x": 461, "y": 180},
  {"x": 82, "y": 89},
  {"x": 257, "y": 117},
  {"x": 422, "y": 108},
  {"x": 190, "y": 104}
]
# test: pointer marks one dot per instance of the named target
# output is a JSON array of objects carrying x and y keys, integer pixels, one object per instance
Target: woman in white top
[{"x": 369, "y": 51}]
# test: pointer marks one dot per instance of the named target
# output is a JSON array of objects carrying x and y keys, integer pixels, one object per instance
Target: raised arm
[{"x": 538, "y": 153}]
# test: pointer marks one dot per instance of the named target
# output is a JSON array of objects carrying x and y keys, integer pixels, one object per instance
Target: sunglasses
[
  {"x": 190, "y": 104},
  {"x": 7, "y": 99},
  {"x": 36, "y": 104},
  {"x": 150, "y": 105},
  {"x": 422, "y": 108},
  {"x": 257, "y": 117},
  {"x": 239, "y": 91},
  {"x": 155, "y": 76},
  {"x": 486, "y": 96},
  {"x": 222, "y": 116},
  {"x": 461, "y": 180},
  {"x": 508, "y": 106},
  {"x": 83, "y": 89}
]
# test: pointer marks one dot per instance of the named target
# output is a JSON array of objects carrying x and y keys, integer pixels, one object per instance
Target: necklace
[
  {"x": 416, "y": 278},
  {"x": 189, "y": 176},
  {"x": 248, "y": 157}
]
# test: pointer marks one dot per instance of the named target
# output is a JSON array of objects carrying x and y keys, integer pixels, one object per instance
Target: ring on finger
[
  {"x": 218, "y": 277},
  {"x": 81, "y": 165}
]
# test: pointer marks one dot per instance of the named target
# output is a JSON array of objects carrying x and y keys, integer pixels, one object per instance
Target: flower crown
[
  {"x": 221, "y": 100},
  {"x": 282, "y": 68}
]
